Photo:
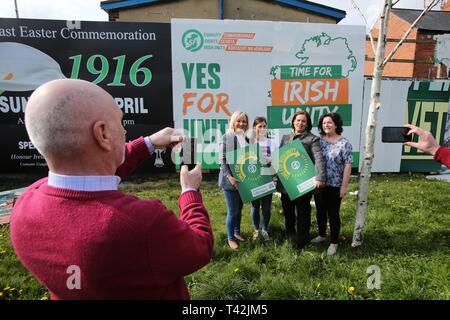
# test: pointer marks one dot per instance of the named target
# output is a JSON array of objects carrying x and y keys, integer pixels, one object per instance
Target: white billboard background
[
  {"x": 392, "y": 113},
  {"x": 245, "y": 76}
]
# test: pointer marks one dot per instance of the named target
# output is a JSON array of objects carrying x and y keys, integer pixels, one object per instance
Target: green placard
[
  {"x": 256, "y": 179},
  {"x": 294, "y": 169}
]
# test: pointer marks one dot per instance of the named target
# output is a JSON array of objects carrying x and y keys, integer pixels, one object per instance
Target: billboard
[
  {"x": 129, "y": 60},
  {"x": 269, "y": 69},
  {"x": 421, "y": 103},
  {"x": 193, "y": 74}
]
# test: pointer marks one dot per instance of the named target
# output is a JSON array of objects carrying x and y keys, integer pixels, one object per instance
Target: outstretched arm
[
  {"x": 138, "y": 150},
  {"x": 426, "y": 143}
]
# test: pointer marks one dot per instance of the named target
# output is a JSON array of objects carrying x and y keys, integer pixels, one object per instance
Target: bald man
[{"x": 80, "y": 236}]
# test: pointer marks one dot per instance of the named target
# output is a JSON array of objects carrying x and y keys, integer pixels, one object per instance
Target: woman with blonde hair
[{"x": 234, "y": 139}]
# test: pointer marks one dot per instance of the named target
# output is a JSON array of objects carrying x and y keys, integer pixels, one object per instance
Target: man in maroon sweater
[
  {"x": 428, "y": 144},
  {"x": 80, "y": 236}
]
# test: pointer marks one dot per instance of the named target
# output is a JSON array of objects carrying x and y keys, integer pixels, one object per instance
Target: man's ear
[{"x": 102, "y": 135}]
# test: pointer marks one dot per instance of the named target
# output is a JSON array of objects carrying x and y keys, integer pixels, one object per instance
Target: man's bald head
[{"x": 60, "y": 114}]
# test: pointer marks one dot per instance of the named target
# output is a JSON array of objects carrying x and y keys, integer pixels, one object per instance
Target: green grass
[{"x": 407, "y": 236}]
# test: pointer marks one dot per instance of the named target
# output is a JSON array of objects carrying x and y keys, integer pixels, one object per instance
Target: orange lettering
[
  {"x": 187, "y": 103},
  {"x": 222, "y": 101},
  {"x": 210, "y": 104}
]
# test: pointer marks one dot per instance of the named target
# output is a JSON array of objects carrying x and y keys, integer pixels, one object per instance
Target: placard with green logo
[
  {"x": 295, "y": 169},
  {"x": 256, "y": 179}
]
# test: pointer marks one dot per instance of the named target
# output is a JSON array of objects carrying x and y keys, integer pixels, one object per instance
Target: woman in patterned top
[{"x": 337, "y": 153}]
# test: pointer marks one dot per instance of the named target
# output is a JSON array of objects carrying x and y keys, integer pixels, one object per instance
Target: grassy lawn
[{"x": 407, "y": 236}]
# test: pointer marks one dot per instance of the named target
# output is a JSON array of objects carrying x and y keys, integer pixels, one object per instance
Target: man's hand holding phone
[
  {"x": 188, "y": 153},
  {"x": 190, "y": 179},
  {"x": 426, "y": 143},
  {"x": 395, "y": 135}
]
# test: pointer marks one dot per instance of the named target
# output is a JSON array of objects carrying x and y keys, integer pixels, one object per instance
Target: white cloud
[
  {"x": 50, "y": 9},
  {"x": 370, "y": 8}
]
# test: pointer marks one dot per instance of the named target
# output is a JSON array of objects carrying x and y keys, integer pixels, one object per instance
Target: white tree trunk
[
  {"x": 364, "y": 176},
  {"x": 379, "y": 65}
]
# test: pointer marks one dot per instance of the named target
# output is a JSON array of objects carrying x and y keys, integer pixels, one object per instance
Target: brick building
[
  {"x": 276, "y": 10},
  {"x": 415, "y": 58}
]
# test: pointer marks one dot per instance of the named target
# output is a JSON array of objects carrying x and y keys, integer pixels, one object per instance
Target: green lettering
[
  {"x": 213, "y": 70},
  {"x": 188, "y": 71},
  {"x": 200, "y": 67}
]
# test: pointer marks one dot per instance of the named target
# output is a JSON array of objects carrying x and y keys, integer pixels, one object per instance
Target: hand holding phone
[
  {"x": 188, "y": 153},
  {"x": 191, "y": 179},
  {"x": 426, "y": 142},
  {"x": 395, "y": 135}
]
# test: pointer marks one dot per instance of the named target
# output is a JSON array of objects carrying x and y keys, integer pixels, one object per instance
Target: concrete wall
[
  {"x": 163, "y": 12},
  {"x": 397, "y": 28},
  {"x": 209, "y": 9},
  {"x": 424, "y": 66},
  {"x": 265, "y": 10},
  {"x": 418, "y": 55}
]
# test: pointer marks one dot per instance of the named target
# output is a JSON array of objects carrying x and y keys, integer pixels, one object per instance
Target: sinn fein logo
[
  {"x": 247, "y": 168},
  {"x": 294, "y": 160},
  {"x": 192, "y": 40}
]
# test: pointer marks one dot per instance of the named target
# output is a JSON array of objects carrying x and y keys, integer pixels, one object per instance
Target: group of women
[{"x": 331, "y": 154}]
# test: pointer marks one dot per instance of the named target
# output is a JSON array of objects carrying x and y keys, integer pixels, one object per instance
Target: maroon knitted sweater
[
  {"x": 443, "y": 156},
  {"x": 125, "y": 248}
]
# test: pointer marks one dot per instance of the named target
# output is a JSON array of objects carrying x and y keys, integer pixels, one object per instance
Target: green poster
[
  {"x": 295, "y": 170},
  {"x": 247, "y": 166}
]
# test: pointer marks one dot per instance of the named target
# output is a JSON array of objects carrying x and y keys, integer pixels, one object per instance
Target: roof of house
[
  {"x": 432, "y": 21},
  {"x": 299, "y": 4}
]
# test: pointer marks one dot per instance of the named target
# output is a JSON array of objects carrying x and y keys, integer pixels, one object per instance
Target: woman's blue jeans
[
  {"x": 234, "y": 213},
  {"x": 264, "y": 203}
]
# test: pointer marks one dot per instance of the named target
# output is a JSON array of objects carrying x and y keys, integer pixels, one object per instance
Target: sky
[{"x": 89, "y": 10}]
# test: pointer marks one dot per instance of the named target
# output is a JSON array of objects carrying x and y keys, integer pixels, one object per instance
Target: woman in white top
[{"x": 260, "y": 137}]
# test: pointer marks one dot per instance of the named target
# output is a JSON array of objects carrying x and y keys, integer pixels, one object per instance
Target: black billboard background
[{"x": 18, "y": 157}]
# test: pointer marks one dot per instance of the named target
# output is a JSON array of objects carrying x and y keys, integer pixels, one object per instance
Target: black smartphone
[
  {"x": 188, "y": 153},
  {"x": 395, "y": 134}
]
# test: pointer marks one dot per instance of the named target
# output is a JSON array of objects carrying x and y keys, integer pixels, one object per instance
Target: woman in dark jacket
[{"x": 302, "y": 125}]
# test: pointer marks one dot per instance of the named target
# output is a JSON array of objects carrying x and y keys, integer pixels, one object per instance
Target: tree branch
[
  {"x": 367, "y": 25},
  {"x": 428, "y": 8}
]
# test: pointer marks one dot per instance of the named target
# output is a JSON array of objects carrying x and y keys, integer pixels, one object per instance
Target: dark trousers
[
  {"x": 303, "y": 219},
  {"x": 328, "y": 204}
]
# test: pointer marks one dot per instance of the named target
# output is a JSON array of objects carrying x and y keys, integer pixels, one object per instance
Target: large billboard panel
[
  {"x": 132, "y": 61},
  {"x": 267, "y": 69}
]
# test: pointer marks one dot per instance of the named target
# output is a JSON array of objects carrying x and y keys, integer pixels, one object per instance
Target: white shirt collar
[{"x": 83, "y": 183}]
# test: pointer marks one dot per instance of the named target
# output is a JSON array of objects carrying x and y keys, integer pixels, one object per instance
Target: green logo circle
[
  {"x": 192, "y": 40},
  {"x": 298, "y": 166}
]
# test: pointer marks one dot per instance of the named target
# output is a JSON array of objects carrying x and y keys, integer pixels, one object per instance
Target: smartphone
[
  {"x": 395, "y": 134},
  {"x": 188, "y": 153}
]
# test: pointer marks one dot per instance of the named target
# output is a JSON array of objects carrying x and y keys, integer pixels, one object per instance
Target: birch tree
[{"x": 379, "y": 64}]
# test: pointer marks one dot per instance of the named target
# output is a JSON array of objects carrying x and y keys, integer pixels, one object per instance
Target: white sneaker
[
  {"x": 255, "y": 235},
  {"x": 332, "y": 249},
  {"x": 318, "y": 239},
  {"x": 265, "y": 235}
]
